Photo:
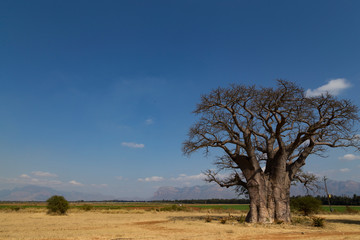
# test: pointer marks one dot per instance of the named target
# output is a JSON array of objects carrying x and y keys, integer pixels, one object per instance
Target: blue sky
[{"x": 97, "y": 95}]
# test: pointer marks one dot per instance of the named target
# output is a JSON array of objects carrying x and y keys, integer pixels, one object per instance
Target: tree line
[
  {"x": 340, "y": 200},
  {"x": 334, "y": 200}
]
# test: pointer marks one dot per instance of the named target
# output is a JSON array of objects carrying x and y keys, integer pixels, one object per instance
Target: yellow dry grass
[{"x": 140, "y": 224}]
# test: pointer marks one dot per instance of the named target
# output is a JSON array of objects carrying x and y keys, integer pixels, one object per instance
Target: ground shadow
[{"x": 345, "y": 221}]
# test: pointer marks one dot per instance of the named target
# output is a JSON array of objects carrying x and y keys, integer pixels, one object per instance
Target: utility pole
[{"x": 327, "y": 194}]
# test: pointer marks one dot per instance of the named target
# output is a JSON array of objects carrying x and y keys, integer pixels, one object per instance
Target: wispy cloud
[
  {"x": 119, "y": 178},
  {"x": 185, "y": 178},
  {"x": 188, "y": 180},
  {"x": 344, "y": 170},
  {"x": 333, "y": 87},
  {"x": 149, "y": 121},
  {"x": 181, "y": 179},
  {"x": 349, "y": 157},
  {"x": 40, "y": 178},
  {"x": 25, "y": 176},
  {"x": 132, "y": 145},
  {"x": 43, "y": 174},
  {"x": 151, "y": 179},
  {"x": 75, "y": 183},
  {"x": 25, "y": 179}
]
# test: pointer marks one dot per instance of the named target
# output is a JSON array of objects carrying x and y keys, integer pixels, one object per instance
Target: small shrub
[
  {"x": 299, "y": 220},
  {"x": 208, "y": 219},
  {"x": 351, "y": 210},
  {"x": 15, "y": 208},
  {"x": 57, "y": 205},
  {"x": 223, "y": 220},
  {"x": 306, "y": 205},
  {"x": 86, "y": 207},
  {"x": 174, "y": 208},
  {"x": 318, "y": 221},
  {"x": 241, "y": 219}
]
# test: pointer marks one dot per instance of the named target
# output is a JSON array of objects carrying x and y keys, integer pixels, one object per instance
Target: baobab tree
[{"x": 266, "y": 135}]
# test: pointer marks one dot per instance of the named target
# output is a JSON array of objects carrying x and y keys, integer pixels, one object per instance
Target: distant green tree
[{"x": 57, "y": 205}]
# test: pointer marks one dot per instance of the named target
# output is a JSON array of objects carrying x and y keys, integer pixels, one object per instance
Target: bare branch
[
  {"x": 309, "y": 181},
  {"x": 233, "y": 180}
]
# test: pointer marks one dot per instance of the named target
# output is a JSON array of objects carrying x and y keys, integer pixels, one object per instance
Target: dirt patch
[
  {"x": 149, "y": 222},
  {"x": 153, "y": 226}
]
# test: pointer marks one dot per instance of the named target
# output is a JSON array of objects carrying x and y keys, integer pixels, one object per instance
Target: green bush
[
  {"x": 57, "y": 205},
  {"x": 306, "y": 205}
]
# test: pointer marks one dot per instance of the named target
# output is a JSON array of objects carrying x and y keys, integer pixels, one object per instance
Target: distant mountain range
[
  {"x": 348, "y": 188},
  {"x": 208, "y": 191},
  {"x": 37, "y": 193}
]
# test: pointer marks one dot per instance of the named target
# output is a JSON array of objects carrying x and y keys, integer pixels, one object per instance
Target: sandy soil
[{"x": 126, "y": 225}]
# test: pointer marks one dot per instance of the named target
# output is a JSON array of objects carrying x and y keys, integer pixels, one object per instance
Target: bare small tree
[{"x": 266, "y": 135}]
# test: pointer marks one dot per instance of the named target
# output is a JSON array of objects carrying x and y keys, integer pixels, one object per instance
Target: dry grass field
[{"x": 141, "y": 224}]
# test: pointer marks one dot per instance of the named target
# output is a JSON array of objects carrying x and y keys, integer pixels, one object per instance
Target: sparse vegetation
[
  {"x": 223, "y": 220},
  {"x": 208, "y": 219},
  {"x": 318, "y": 221},
  {"x": 351, "y": 210},
  {"x": 241, "y": 219},
  {"x": 57, "y": 205},
  {"x": 174, "y": 208},
  {"x": 299, "y": 220},
  {"x": 86, "y": 207},
  {"x": 15, "y": 208},
  {"x": 152, "y": 206}
]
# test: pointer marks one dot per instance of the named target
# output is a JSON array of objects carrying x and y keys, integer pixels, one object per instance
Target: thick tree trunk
[{"x": 269, "y": 200}]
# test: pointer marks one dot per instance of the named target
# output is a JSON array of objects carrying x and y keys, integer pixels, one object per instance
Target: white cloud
[
  {"x": 149, "y": 121},
  {"x": 344, "y": 170},
  {"x": 186, "y": 178},
  {"x": 349, "y": 157},
  {"x": 334, "y": 87},
  {"x": 132, "y": 145},
  {"x": 151, "y": 179},
  {"x": 43, "y": 174},
  {"x": 73, "y": 182},
  {"x": 25, "y": 176},
  {"x": 119, "y": 178}
]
